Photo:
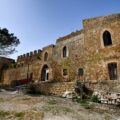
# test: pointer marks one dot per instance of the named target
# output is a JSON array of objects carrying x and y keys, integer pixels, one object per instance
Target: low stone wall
[
  {"x": 55, "y": 88},
  {"x": 104, "y": 85},
  {"x": 59, "y": 88}
]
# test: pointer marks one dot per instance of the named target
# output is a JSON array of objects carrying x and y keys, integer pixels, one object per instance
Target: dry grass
[
  {"x": 47, "y": 107},
  {"x": 53, "y": 107},
  {"x": 26, "y": 115}
]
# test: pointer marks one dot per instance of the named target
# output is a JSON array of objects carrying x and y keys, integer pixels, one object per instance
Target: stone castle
[{"x": 91, "y": 55}]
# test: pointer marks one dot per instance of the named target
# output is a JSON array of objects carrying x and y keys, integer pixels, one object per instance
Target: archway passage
[{"x": 45, "y": 73}]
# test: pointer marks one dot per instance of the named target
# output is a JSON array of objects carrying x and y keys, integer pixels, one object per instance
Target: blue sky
[{"x": 38, "y": 23}]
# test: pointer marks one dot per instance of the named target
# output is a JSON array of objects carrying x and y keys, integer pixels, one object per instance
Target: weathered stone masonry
[{"x": 91, "y": 54}]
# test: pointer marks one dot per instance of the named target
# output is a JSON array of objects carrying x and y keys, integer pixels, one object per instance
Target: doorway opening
[{"x": 45, "y": 73}]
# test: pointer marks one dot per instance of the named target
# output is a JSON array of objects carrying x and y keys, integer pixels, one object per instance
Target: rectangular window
[
  {"x": 80, "y": 72},
  {"x": 65, "y": 72},
  {"x": 112, "y": 70}
]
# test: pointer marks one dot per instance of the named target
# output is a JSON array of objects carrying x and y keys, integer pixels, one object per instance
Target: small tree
[{"x": 8, "y": 42}]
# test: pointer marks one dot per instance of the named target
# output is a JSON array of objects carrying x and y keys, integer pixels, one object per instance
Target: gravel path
[{"x": 14, "y": 106}]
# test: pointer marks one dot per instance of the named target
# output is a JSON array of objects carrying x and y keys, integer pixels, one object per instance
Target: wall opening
[
  {"x": 112, "y": 70},
  {"x": 65, "y": 72},
  {"x": 107, "y": 38},
  {"x": 46, "y": 56},
  {"x": 65, "y": 51},
  {"x": 80, "y": 72},
  {"x": 45, "y": 73}
]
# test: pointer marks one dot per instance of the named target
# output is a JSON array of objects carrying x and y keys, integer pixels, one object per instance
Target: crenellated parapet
[{"x": 29, "y": 56}]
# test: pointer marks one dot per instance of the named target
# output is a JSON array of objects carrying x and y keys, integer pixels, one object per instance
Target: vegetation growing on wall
[
  {"x": 56, "y": 71},
  {"x": 93, "y": 65}
]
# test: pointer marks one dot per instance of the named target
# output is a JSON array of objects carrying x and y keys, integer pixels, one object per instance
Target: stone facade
[{"x": 90, "y": 54}]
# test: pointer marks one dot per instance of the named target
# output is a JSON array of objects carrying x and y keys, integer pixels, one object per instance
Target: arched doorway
[{"x": 45, "y": 73}]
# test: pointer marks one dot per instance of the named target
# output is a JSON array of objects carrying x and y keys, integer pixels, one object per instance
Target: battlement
[
  {"x": 61, "y": 39},
  {"x": 29, "y": 55},
  {"x": 99, "y": 21}
]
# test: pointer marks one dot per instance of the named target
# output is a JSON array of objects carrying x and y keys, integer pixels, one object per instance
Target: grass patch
[
  {"x": 26, "y": 98},
  {"x": 2, "y": 100},
  {"x": 52, "y": 102},
  {"x": 83, "y": 102},
  {"x": 67, "y": 110},
  {"x": 3, "y": 113},
  {"x": 33, "y": 115},
  {"x": 19, "y": 114},
  {"x": 55, "y": 110},
  {"x": 86, "y": 104},
  {"x": 41, "y": 115}
]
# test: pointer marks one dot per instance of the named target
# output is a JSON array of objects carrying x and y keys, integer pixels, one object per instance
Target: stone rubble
[{"x": 108, "y": 98}]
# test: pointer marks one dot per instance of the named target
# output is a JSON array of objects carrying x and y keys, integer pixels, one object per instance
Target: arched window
[
  {"x": 107, "y": 38},
  {"x": 46, "y": 56},
  {"x": 65, "y": 51}
]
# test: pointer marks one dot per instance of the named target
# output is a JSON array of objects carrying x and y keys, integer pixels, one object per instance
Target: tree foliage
[{"x": 8, "y": 42}]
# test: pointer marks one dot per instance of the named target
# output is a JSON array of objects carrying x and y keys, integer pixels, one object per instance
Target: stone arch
[{"x": 45, "y": 73}]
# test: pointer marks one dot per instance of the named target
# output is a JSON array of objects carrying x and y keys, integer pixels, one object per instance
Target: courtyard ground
[{"x": 14, "y": 106}]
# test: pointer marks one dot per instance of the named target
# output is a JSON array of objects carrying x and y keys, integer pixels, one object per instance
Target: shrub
[
  {"x": 94, "y": 98},
  {"x": 31, "y": 89},
  {"x": 20, "y": 114},
  {"x": 78, "y": 99},
  {"x": 3, "y": 113},
  {"x": 83, "y": 103}
]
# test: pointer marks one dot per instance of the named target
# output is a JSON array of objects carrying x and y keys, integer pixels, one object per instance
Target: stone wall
[
  {"x": 55, "y": 88},
  {"x": 22, "y": 72},
  {"x": 58, "y": 88}
]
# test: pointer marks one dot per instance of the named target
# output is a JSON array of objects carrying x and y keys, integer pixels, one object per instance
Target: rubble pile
[{"x": 108, "y": 97}]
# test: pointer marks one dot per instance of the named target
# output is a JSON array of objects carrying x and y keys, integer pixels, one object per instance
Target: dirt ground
[{"x": 14, "y": 106}]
